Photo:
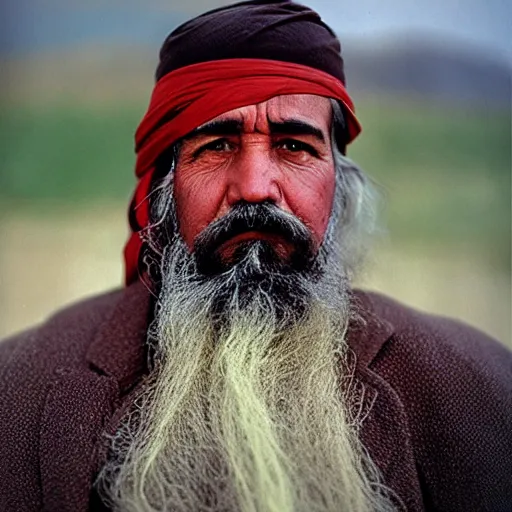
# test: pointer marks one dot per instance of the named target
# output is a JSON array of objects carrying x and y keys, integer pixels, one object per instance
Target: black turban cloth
[{"x": 260, "y": 29}]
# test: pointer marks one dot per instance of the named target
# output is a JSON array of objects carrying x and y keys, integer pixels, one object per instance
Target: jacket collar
[
  {"x": 367, "y": 332},
  {"x": 119, "y": 348}
]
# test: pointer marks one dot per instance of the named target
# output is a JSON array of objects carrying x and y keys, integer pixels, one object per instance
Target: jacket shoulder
[
  {"x": 455, "y": 384},
  {"x": 62, "y": 339},
  {"x": 436, "y": 340},
  {"x": 30, "y": 362}
]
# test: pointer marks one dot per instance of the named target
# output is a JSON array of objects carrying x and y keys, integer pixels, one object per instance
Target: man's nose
[{"x": 254, "y": 178}]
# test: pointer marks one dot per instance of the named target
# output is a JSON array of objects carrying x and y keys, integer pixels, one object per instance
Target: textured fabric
[
  {"x": 437, "y": 400},
  {"x": 238, "y": 55},
  {"x": 259, "y": 29}
]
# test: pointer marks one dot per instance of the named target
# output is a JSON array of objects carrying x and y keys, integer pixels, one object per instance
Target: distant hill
[{"x": 409, "y": 66}]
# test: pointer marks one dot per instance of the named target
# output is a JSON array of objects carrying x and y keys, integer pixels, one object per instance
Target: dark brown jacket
[{"x": 439, "y": 426}]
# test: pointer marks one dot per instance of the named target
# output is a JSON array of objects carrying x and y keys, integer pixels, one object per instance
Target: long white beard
[{"x": 249, "y": 414}]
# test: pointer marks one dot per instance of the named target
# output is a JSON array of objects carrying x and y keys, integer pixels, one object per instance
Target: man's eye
[
  {"x": 295, "y": 146},
  {"x": 217, "y": 145}
]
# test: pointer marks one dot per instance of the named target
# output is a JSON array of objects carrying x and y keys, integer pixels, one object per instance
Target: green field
[{"x": 444, "y": 172}]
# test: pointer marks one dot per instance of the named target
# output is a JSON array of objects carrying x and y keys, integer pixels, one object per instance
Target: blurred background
[{"x": 432, "y": 86}]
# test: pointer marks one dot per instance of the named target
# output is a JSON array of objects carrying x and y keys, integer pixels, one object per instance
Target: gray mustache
[{"x": 264, "y": 217}]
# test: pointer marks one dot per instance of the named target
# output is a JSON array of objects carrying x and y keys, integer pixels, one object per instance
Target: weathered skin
[{"x": 253, "y": 162}]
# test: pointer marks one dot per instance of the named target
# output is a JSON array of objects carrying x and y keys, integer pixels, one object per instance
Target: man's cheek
[
  {"x": 313, "y": 206},
  {"x": 195, "y": 211},
  {"x": 192, "y": 220}
]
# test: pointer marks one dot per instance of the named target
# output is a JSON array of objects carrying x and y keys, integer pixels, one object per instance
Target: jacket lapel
[
  {"x": 385, "y": 429},
  {"x": 81, "y": 401}
]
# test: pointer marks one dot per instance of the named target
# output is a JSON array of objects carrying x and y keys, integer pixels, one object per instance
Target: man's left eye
[{"x": 295, "y": 146}]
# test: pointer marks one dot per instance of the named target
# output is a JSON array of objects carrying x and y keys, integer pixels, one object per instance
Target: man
[{"x": 238, "y": 370}]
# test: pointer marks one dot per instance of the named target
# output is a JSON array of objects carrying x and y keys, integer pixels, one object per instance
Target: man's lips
[
  {"x": 282, "y": 247},
  {"x": 226, "y": 241}
]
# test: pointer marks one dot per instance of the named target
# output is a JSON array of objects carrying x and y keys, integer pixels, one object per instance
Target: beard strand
[{"x": 244, "y": 407}]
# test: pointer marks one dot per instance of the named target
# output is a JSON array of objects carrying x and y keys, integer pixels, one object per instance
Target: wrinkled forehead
[{"x": 308, "y": 108}]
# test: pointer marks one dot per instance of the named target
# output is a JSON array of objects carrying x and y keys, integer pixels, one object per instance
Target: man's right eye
[{"x": 217, "y": 146}]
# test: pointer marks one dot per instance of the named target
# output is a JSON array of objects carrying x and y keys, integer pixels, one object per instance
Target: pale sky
[
  {"x": 485, "y": 22},
  {"x": 37, "y": 24}
]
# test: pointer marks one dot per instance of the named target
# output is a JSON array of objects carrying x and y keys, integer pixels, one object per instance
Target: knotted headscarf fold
[{"x": 239, "y": 55}]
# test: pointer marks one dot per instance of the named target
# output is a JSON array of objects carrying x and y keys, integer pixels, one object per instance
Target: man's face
[{"x": 277, "y": 151}]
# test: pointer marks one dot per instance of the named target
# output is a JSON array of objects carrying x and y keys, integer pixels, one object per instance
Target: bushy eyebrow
[
  {"x": 235, "y": 127},
  {"x": 223, "y": 127},
  {"x": 295, "y": 127}
]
